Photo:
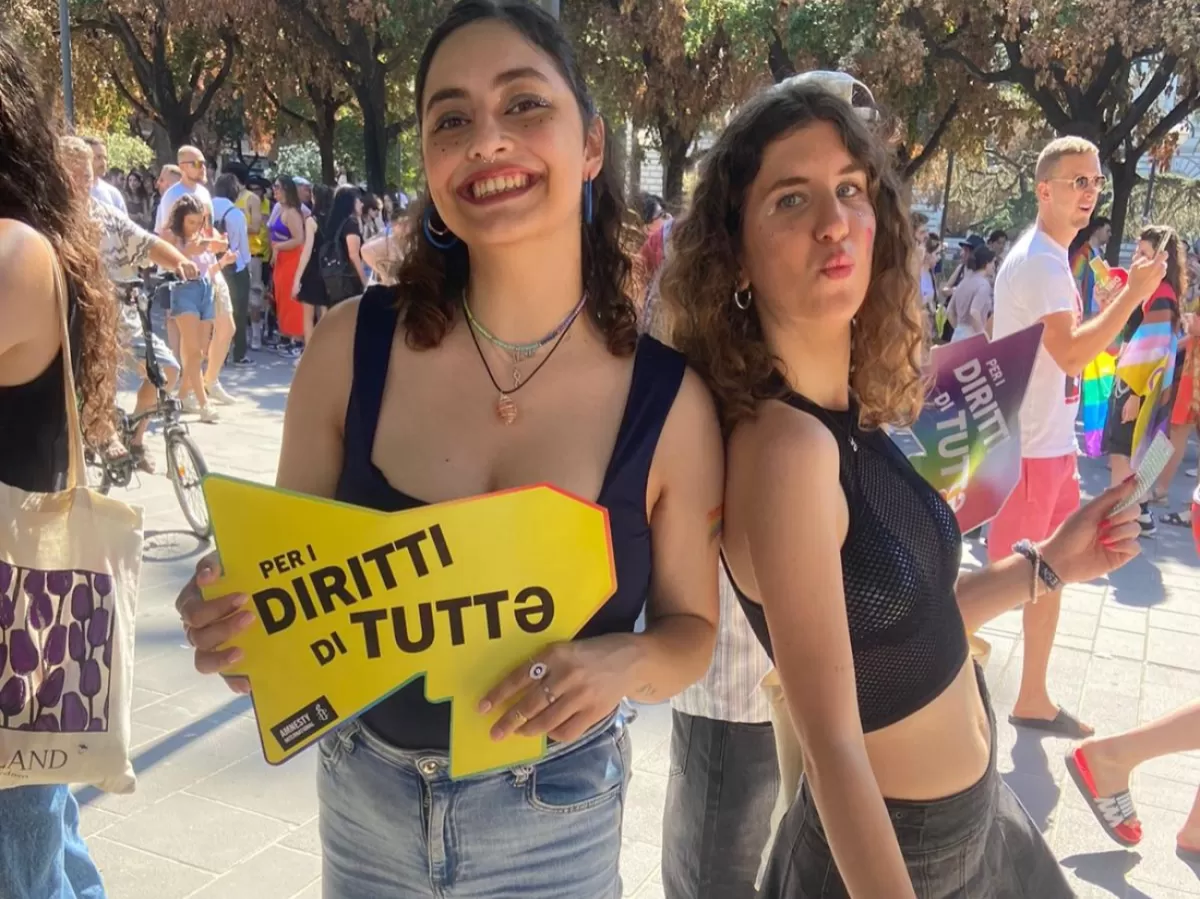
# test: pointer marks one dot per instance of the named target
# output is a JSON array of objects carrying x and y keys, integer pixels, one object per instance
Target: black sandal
[{"x": 1176, "y": 519}]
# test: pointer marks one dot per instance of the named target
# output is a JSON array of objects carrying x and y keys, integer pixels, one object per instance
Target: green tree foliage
[{"x": 675, "y": 66}]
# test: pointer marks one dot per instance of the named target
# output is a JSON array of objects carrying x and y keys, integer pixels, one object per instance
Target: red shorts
[
  {"x": 1181, "y": 412},
  {"x": 1046, "y": 494}
]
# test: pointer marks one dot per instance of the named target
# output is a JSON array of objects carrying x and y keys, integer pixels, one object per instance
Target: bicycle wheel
[{"x": 186, "y": 469}]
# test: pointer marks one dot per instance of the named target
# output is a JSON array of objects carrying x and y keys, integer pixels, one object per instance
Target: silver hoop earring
[{"x": 737, "y": 298}]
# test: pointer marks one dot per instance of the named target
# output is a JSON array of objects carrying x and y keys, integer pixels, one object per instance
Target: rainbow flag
[
  {"x": 1096, "y": 388},
  {"x": 1085, "y": 278},
  {"x": 1147, "y": 365}
]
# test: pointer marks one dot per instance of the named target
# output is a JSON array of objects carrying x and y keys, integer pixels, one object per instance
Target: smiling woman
[{"x": 505, "y": 355}]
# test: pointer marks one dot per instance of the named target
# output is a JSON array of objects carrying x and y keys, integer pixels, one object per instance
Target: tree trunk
[
  {"x": 1124, "y": 177},
  {"x": 674, "y": 149},
  {"x": 324, "y": 133},
  {"x": 178, "y": 125},
  {"x": 372, "y": 100}
]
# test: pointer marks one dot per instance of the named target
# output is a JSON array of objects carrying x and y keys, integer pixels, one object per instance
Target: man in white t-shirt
[
  {"x": 193, "y": 168},
  {"x": 1035, "y": 285},
  {"x": 101, "y": 189}
]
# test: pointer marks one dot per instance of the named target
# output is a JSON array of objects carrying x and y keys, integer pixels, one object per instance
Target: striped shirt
[{"x": 729, "y": 691}]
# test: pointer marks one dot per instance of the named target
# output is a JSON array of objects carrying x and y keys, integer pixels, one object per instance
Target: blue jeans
[
  {"x": 42, "y": 855},
  {"x": 395, "y": 826}
]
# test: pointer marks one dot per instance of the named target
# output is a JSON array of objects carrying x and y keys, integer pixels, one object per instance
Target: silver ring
[
  {"x": 538, "y": 670},
  {"x": 550, "y": 697}
]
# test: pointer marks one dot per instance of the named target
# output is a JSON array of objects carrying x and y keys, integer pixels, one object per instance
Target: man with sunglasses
[
  {"x": 194, "y": 171},
  {"x": 1034, "y": 285}
]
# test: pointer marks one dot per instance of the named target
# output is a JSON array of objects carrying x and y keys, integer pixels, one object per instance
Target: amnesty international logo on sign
[{"x": 352, "y": 604}]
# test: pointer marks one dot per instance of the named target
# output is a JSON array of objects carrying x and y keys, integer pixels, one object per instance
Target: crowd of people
[{"x": 726, "y": 391}]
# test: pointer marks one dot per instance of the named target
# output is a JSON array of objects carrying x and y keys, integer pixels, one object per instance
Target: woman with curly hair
[
  {"x": 44, "y": 224},
  {"x": 791, "y": 291},
  {"x": 506, "y": 354}
]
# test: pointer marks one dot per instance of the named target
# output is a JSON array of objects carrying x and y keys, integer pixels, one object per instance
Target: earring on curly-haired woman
[
  {"x": 438, "y": 235},
  {"x": 748, "y": 293}
]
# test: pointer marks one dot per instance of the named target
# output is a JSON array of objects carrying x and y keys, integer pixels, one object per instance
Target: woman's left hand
[
  {"x": 565, "y": 689},
  {"x": 1129, "y": 411},
  {"x": 1093, "y": 541}
]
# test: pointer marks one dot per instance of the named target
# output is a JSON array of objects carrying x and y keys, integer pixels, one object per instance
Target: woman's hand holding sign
[
  {"x": 211, "y": 624},
  {"x": 566, "y": 689}
]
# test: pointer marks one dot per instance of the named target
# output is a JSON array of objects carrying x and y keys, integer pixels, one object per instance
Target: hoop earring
[
  {"x": 437, "y": 237},
  {"x": 587, "y": 201},
  {"x": 737, "y": 298}
]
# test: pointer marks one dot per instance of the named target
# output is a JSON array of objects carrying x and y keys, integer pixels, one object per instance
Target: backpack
[
  {"x": 220, "y": 225},
  {"x": 341, "y": 280}
]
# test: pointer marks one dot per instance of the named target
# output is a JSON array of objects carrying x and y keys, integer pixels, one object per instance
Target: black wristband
[{"x": 1047, "y": 575}]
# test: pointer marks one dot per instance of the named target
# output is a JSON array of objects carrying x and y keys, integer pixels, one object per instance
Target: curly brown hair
[
  {"x": 726, "y": 345},
  {"x": 35, "y": 190},
  {"x": 430, "y": 281}
]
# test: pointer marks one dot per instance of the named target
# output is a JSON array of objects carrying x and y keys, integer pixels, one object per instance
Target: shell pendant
[{"x": 506, "y": 409}]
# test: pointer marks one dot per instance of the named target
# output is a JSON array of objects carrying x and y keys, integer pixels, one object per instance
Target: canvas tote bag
[{"x": 69, "y": 566}]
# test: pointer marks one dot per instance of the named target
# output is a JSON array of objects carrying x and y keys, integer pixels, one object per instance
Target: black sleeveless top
[
  {"x": 34, "y": 453},
  {"x": 900, "y": 562},
  {"x": 406, "y": 719}
]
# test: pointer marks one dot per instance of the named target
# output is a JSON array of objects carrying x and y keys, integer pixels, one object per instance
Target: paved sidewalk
[{"x": 210, "y": 819}]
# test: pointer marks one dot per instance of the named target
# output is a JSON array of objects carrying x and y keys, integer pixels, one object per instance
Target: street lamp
[{"x": 64, "y": 42}]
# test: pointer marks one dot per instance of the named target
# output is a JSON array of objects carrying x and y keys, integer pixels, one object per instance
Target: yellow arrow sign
[{"x": 352, "y": 604}]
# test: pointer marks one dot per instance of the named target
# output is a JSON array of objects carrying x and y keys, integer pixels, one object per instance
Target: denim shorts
[
  {"x": 395, "y": 826},
  {"x": 980, "y": 842},
  {"x": 42, "y": 855},
  {"x": 193, "y": 298}
]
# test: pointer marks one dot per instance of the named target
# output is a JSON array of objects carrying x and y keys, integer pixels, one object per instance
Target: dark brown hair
[
  {"x": 1165, "y": 239},
  {"x": 182, "y": 208},
  {"x": 725, "y": 344},
  {"x": 430, "y": 281},
  {"x": 35, "y": 190}
]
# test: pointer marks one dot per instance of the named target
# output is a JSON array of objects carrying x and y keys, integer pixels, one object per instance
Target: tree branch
[
  {"x": 395, "y": 129},
  {"x": 286, "y": 110},
  {"x": 213, "y": 87},
  {"x": 1176, "y": 116},
  {"x": 934, "y": 142},
  {"x": 1141, "y": 104},
  {"x": 133, "y": 101},
  {"x": 778, "y": 60}
]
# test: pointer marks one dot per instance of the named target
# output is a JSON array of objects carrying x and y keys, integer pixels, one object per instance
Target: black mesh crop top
[{"x": 899, "y": 564}]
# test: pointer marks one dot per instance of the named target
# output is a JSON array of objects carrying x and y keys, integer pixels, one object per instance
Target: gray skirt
[{"x": 977, "y": 844}]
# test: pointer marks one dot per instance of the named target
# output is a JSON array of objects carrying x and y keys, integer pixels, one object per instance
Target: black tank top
[
  {"x": 899, "y": 565},
  {"x": 34, "y": 453},
  {"x": 405, "y": 718}
]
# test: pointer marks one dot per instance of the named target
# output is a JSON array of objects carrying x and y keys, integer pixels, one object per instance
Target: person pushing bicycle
[{"x": 126, "y": 247}]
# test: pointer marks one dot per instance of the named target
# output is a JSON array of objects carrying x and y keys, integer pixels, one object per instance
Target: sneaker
[
  {"x": 1191, "y": 473},
  {"x": 220, "y": 394},
  {"x": 244, "y": 362},
  {"x": 209, "y": 415},
  {"x": 1146, "y": 521},
  {"x": 189, "y": 405}
]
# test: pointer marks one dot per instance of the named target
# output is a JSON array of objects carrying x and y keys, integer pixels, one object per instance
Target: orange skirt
[{"x": 288, "y": 311}]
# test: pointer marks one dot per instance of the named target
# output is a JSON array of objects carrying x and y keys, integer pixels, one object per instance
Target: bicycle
[{"x": 185, "y": 463}]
